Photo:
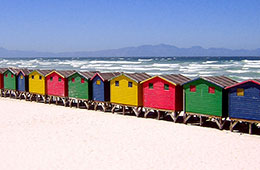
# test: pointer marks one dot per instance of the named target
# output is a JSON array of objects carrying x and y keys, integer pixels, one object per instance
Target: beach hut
[
  {"x": 57, "y": 85},
  {"x": 164, "y": 93},
  {"x": 79, "y": 87},
  {"x": 2, "y": 70},
  {"x": 10, "y": 79},
  {"x": 206, "y": 97},
  {"x": 244, "y": 103},
  {"x": 126, "y": 90},
  {"x": 22, "y": 80},
  {"x": 101, "y": 88},
  {"x": 37, "y": 83}
]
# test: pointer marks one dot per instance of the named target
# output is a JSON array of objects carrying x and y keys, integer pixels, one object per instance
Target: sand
[{"x": 35, "y": 136}]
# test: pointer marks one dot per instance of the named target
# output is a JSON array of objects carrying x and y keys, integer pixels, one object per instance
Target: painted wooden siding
[
  {"x": 9, "y": 82},
  {"x": 98, "y": 91},
  {"x": 247, "y": 106},
  {"x": 158, "y": 97},
  {"x": 36, "y": 86},
  {"x": 123, "y": 94},
  {"x": 77, "y": 89},
  {"x": 202, "y": 101},
  {"x": 1, "y": 81},
  {"x": 22, "y": 82},
  {"x": 56, "y": 87}
]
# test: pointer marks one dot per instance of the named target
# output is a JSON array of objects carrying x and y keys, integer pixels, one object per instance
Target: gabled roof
[
  {"x": 24, "y": 71},
  {"x": 256, "y": 81},
  {"x": 221, "y": 81},
  {"x": 175, "y": 79},
  {"x": 62, "y": 73},
  {"x": 137, "y": 77},
  {"x": 2, "y": 70},
  {"x": 42, "y": 72},
  {"x": 106, "y": 76},
  {"x": 13, "y": 70},
  {"x": 85, "y": 74}
]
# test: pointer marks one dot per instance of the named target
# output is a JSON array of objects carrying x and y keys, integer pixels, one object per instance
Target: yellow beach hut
[
  {"x": 126, "y": 90},
  {"x": 37, "y": 82}
]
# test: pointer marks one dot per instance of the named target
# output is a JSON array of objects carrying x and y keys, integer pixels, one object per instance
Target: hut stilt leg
[
  {"x": 50, "y": 99},
  {"x": 201, "y": 120},
  {"x": 186, "y": 118},
  {"x": 136, "y": 111},
  {"x": 95, "y": 106},
  {"x": 250, "y": 128},
  {"x": 56, "y": 100},
  {"x": 158, "y": 115},
  {"x": 232, "y": 125},
  {"x": 103, "y": 107},
  {"x": 78, "y": 102},
  {"x": 220, "y": 123},
  {"x": 147, "y": 111},
  {"x": 64, "y": 100},
  {"x": 87, "y": 105},
  {"x": 70, "y": 102},
  {"x": 123, "y": 110},
  {"x": 113, "y": 109}
]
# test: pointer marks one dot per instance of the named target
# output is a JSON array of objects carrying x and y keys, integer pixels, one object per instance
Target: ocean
[{"x": 238, "y": 68}]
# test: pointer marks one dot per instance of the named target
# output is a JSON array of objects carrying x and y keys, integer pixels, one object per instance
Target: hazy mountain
[{"x": 144, "y": 50}]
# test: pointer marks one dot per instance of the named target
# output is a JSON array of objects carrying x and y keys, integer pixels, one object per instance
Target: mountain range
[{"x": 161, "y": 50}]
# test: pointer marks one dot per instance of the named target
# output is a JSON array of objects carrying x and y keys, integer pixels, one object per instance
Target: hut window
[
  {"x": 150, "y": 85},
  {"x": 82, "y": 80},
  {"x": 40, "y": 77},
  {"x": 12, "y": 75},
  {"x": 240, "y": 92},
  {"x": 21, "y": 77},
  {"x": 98, "y": 82},
  {"x": 192, "y": 88},
  {"x": 73, "y": 80},
  {"x": 117, "y": 83},
  {"x": 166, "y": 86},
  {"x": 6, "y": 75},
  {"x": 212, "y": 90},
  {"x": 32, "y": 77},
  {"x": 130, "y": 84},
  {"x": 51, "y": 78},
  {"x": 59, "y": 79}
]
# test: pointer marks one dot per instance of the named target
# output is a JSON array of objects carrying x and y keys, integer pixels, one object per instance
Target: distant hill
[{"x": 161, "y": 50}]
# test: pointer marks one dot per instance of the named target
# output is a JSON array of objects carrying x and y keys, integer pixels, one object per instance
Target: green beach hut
[
  {"x": 79, "y": 86},
  {"x": 206, "y": 97}
]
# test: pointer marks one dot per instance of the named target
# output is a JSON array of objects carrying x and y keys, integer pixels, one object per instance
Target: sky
[{"x": 89, "y": 25}]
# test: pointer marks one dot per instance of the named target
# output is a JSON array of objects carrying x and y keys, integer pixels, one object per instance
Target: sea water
[{"x": 238, "y": 68}]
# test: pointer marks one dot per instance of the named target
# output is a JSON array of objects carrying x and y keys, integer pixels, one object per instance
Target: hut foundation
[{"x": 137, "y": 110}]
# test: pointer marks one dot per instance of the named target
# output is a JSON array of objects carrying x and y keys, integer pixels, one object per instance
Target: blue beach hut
[
  {"x": 244, "y": 100},
  {"x": 244, "y": 103},
  {"x": 101, "y": 86},
  {"x": 22, "y": 80}
]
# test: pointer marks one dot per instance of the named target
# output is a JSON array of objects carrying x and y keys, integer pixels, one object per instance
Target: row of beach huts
[{"x": 215, "y": 98}]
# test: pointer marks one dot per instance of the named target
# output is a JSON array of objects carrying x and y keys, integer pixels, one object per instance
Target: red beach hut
[
  {"x": 57, "y": 83},
  {"x": 164, "y": 93}
]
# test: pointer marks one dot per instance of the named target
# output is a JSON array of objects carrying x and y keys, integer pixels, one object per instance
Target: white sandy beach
[{"x": 41, "y": 136}]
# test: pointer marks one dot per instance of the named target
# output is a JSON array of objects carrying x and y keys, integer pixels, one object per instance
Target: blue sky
[{"x": 79, "y": 25}]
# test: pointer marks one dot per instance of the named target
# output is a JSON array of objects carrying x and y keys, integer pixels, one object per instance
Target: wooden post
[
  {"x": 123, "y": 110},
  {"x": 232, "y": 125},
  {"x": 201, "y": 120},
  {"x": 186, "y": 118},
  {"x": 136, "y": 111},
  {"x": 95, "y": 106},
  {"x": 147, "y": 111},
  {"x": 250, "y": 128},
  {"x": 78, "y": 103},
  {"x": 158, "y": 115},
  {"x": 50, "y": 99},
  {"x": 87, "y": 105},
  {"x": 113, "y": 109}
]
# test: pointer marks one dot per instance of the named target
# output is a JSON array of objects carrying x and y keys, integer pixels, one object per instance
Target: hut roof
[
  {"x": 176, "y": 79},
  {"x": 137, "y": 77},
  {"x": 14, "y": 70},
  {"x": 85, "y": 74},
  {"x": 24, "y": 71},
  {"x": 43, "y": 72},
  {"x": 2, "y": 70},
  {"x": 62, "y": 73},
  {"x": 221, "y": 81},
  {"x": 106, "y": 76},
  {"x": 256, "y": 81}
]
